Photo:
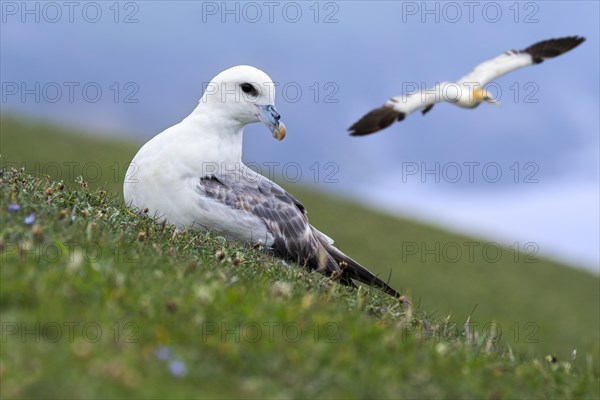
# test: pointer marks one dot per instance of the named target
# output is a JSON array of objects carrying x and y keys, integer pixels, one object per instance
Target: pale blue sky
[{"x": 346, "y": 58}]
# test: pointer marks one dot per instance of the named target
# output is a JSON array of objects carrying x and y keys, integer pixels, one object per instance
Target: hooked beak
[{"x": 269, "y": 116}]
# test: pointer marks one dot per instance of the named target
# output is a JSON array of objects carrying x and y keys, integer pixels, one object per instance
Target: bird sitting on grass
[{"x": 192, "y": 176}]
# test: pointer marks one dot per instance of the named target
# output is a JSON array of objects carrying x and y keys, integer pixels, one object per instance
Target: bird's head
[
  {"x": 481, "y": 95},
  {"x": 244, "y": 94}
]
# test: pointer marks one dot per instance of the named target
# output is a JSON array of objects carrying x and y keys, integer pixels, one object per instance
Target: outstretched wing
[
  {"x": 395, "y": 109},
  {"x": 489, "y": 70}
]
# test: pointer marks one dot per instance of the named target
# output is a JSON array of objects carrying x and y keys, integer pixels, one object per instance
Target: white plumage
[{"x": 192, "y": 175}]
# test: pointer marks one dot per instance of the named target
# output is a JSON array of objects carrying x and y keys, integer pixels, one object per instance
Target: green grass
[{"x": 87, "y": 260}]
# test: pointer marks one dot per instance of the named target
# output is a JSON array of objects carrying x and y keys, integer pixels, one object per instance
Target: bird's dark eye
[{"x": 249, "y": 88}]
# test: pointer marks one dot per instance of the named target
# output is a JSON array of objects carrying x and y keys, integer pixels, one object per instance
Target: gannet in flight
[
  {"x": 468, "y": 91},
  {"x": 192, "y": 175}
]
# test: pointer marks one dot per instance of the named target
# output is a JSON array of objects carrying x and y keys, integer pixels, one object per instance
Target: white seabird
[
  {"x": 192, "y": 176},
  {"x": 468, "y": 91}
]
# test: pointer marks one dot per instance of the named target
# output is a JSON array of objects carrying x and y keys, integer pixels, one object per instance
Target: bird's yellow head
[{"x": 481, "y": 95}]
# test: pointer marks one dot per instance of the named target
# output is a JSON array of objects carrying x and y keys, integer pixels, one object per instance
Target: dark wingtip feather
[
  {"x": 361, "y": 274},
  {"x": 552, "y": 48},
  {"x": 376, "y": 120},
  {"x": 351, "y": 270}
]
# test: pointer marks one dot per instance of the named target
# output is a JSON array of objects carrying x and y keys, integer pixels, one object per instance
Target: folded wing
[{"x": 292, "y": 237}]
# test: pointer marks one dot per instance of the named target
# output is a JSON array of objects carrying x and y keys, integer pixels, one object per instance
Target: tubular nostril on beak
[
  {"x": 269, "y": 116},
  {"x": 274, "y": 113}
]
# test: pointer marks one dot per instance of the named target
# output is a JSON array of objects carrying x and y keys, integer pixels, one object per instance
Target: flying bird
[
  {"x": 468, "y": 91},
  {"x": 192, "y": 176}
]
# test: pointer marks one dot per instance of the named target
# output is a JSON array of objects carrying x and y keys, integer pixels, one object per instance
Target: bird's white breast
[{"x": 163, "y": 178}]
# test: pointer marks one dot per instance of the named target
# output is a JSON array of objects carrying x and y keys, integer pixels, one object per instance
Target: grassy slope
[{"x": 163, "y": 275}]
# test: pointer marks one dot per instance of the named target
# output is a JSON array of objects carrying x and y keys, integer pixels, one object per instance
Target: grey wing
[
  {"x": 284, "y": 216},
  {"x": 294, "y": 238}
]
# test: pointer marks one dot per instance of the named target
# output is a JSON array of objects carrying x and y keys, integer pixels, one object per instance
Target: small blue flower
[
  {"x": 13, "y": 207},
  {"x": 177, "y": 368},
  {"x": 30, "y": 219},
  {"x": 163, "y": 353}
]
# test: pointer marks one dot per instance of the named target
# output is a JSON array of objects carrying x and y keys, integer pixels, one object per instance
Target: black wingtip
[
  {"x": 552, "y": 47},
  {"x": 350, "y": 270},
  {"x": 376, "y": 120},
  {"x": 365, "y": 276}
]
